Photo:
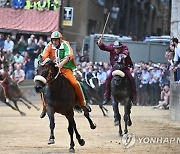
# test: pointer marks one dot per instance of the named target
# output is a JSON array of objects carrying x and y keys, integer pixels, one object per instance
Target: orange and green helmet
[{"x": 56, "y": 34}]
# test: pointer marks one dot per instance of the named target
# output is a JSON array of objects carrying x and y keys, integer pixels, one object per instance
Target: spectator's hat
[{"x": 117, "y": 44}]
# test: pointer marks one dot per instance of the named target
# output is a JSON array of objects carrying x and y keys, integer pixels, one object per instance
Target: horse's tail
[{"x": 78, "y": 109}]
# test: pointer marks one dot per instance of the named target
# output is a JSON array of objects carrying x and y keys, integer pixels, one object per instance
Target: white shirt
[
  {"x": 177, "y": 52},
  {"x": 19, "y": 74}
]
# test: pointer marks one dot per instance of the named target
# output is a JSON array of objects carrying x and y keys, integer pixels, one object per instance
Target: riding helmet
[
  {"x": 56, "y": 34},
  {"x": 117, "y": 44}
]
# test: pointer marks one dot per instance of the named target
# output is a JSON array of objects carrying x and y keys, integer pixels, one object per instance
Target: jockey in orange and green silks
[{"x": 61, "y": 52}]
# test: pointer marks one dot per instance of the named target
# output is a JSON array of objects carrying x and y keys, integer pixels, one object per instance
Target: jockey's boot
[
  {"x": 106, "y": 101},
  {"x": 43, "y": 114},
  {"x": 86, "y": 108}
]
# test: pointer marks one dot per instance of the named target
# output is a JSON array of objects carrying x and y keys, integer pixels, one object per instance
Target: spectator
[
  {"x": 101, "y": 75},
  {"x": 18, "y": 74},
  {"x": 8, "y": 44},
  {"x": 2, "y": 69},
  {"x": 29, "y": 69},
  {"x": 2, "y": 3},
  {"x": 144, "y": 85},
  {"x": 154, "y": 87},
  {"x": 165, "y": 98},
  {"x": 22, "y": 45},
  {"x": 176, "y": 57},
  {"x": 1, "y": 41},
  {"x": 18, "y": 4},
  {"x": 52, "y": 4},
  {"x": 39, "y": 49},
  {"x": 169, "y": 55},
  {"x": 7, "y": 4},
  {"x": 18, "y": 59},
  {"x": 2, "y": 59},
  {"x": 9, "y": 58},
  {"x": 32, "y": 43},
  {"x": 32, "y": 46},
  {"x": 10, "y": 71},
  {"x": 165, "y": 78},
  {"x": 29, "y": 4},
  {"x": 137, "y": 74},
  {"x": 41, "y": 5}
]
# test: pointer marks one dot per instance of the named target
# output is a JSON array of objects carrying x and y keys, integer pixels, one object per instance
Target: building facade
[{"x": 175, "y": 19}]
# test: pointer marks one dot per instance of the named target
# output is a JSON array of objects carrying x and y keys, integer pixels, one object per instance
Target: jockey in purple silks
[{"x": 118, "y": 49}]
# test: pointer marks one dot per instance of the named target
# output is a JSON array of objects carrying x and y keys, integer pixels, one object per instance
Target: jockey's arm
[{"x": 63, "y": 62}]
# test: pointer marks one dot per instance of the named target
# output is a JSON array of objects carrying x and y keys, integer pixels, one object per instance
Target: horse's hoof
[
  {"x": 120, "y": 134},
  {"x": 72, "y": 150},
  {"x": 37, "y": 108},
  {"x": 106, "y": 113},
  {"x": 51, "y": 141},
  {"x": 93, "y": 126},
  {"x": 116, "y": 123},
  {"x": 43, "y": 114},
  {"x": 129, "y": 123},
  {"x": 81, "y": 142},
  {"x": 23, "y": 114}
]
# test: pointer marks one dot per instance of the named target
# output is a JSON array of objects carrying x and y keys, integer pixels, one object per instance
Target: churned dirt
[{"x": 153, "y": 132}]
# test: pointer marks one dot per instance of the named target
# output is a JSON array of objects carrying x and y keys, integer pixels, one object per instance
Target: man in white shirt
[
  {"x": 19, "y": 74},
  {"x": 8, "y": 44},
  {"x": 176, "y": 57}
]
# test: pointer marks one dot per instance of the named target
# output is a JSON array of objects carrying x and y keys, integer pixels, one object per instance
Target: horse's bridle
[{"x": 50, "y": 77}]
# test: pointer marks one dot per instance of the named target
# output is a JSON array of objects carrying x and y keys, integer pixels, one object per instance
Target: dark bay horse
[
  {"x": 121, "y": 93},
  {"x": 15, "y": 94},
  {"x": 93, "y": 90},
  {"x": 60, "y": 97}
]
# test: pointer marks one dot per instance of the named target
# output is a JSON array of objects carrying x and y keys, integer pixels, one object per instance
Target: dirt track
[{"x": 29, "y": 134}]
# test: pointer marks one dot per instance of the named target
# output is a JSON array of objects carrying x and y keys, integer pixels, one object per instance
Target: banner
[{"x": 29, "y": 20}]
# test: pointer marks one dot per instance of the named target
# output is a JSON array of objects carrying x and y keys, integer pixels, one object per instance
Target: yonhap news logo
[{"x": 129, "y": 140}]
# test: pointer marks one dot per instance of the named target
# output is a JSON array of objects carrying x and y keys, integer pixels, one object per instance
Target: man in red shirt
[{"x": 118, "y": 49}]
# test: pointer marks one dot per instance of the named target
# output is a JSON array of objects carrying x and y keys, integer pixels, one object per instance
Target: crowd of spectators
[
  {"x": 20, "y": 58},
  {"x": 40, "y": 5}
]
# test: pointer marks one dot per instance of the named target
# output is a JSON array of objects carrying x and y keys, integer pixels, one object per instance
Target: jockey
[
  {"x": 118, "y": 49},
  {"x": 4, "y": 85},
  {"x": 61, "y": 52}
]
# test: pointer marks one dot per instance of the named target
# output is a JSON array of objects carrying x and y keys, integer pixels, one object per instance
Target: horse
[
  {"x": 15, "y": 94},
  {"x": 60, "y": 97},
  {"x": 121, "y": 93},
  {"x": 93, "y": 90}
]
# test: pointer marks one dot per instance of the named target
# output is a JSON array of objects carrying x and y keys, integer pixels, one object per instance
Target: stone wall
[
  {"x": 175, "y": 19},
  {"x": 174, "y": 99},
  {"x": 175, "y": 102}
]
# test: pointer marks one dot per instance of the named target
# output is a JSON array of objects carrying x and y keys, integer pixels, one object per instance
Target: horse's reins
[{"x": 59, "y": 72}]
